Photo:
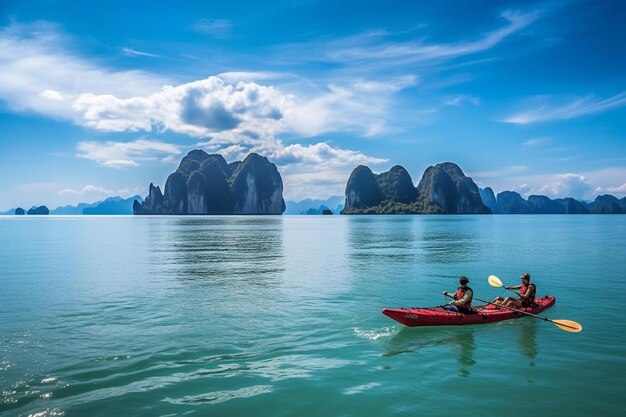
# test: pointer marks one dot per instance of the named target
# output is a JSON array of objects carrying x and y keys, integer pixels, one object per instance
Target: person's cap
[
  {"x": 463, "y": 280},
  {"x": 526, "y": 275}
]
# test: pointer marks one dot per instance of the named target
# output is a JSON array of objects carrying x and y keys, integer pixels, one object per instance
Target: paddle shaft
[{"x": 524, "y": 312}]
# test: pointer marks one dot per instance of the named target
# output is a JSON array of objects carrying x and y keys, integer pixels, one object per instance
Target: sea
[{"x": 281, "y": 316}]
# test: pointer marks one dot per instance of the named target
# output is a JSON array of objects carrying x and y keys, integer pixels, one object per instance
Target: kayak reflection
[
  {"x": 528, "y": 340},
  {"x": 460, "y": 340}
]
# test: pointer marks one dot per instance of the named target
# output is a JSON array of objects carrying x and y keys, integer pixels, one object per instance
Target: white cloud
[
  {"x": 567, "y": 185},
  {"x": 545, "y": 108},
  {"x": 523, "y": 189},
  {"x": 198, "y": 108},
  {"x": 87, "y": 189},
  {"x": 124, "y": 154},
  {"x": 36, "y": 62},
  {"x": 615, "y": 190},
  {"x": 236, "y": 76},
  {"x": 52, "y": 95}
]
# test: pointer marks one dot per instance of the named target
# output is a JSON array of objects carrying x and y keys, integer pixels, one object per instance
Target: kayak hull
[{"x": 437, "y": 316}]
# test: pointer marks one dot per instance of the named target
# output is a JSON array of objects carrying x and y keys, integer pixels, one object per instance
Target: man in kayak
[
  {"x": 462, "y": 298},
  {"x": 527, "y": 291}
]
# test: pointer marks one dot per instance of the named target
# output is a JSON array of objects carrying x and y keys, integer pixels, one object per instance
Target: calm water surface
[{"x": 280, "y": 316}]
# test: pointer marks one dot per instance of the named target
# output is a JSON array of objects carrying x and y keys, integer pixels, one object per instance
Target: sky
[{"x": 102, "y": 98}]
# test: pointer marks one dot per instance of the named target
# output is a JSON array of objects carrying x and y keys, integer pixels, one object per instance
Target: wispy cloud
[
  {"x": 535, "y": 142},
  {"x": 219, "y": 28},
  {"x": 134, "y": 52},
  {"x": 124, "y": 154},
  {"x": 461, "y": 100},
  {"x": 546, "y": 108},
  {"x": 379, "y": 46}
]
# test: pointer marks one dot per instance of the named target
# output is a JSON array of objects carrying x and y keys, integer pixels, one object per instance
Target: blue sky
[{"x": 102, "y": 98}]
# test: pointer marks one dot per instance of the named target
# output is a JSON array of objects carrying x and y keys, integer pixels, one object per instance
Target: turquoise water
[{"x": 280, "y": 316}]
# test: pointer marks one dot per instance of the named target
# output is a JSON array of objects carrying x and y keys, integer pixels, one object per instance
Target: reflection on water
[
  {"x": 459, "y": 339},
  {"x": 221, "y": 251},
  {"x": 373, "y": 242},
  {"x": 528, "y": 340},
  {"x": 465, "y": 346},
  {"x": 449, "y": 239}
]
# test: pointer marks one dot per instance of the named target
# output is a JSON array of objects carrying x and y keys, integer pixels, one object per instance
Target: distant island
[
  {"x": 206, "y": 184},
  {"x": 510, "y": 202},
  {"x": 39, "y": 211},
  {"x": 444, "y": 189},
  {"x": 315, "y": 206}
]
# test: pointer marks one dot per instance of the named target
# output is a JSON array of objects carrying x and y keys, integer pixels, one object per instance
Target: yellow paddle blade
[
  {"x": 568, "y": 325},
  {"x": 494, "y": 281}
]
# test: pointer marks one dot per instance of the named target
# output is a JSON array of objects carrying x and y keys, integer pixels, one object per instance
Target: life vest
[
  {"x": 460, "y": 293},
  {"x": 531, "y": 298}
]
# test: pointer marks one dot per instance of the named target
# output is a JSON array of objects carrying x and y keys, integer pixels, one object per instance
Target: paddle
[
  {"x": 567, "y": 325},
  {"x": 494, "y": 281}
]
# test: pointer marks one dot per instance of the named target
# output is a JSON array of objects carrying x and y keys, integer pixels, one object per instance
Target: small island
[
  {"x": 207, "y": 184},
  {"x": 443, "y": 189},
  {"x": 39, "y": 211}
]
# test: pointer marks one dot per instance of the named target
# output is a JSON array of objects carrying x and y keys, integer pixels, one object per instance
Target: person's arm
[
  {"x": 466, "y": 297},
  {"x": 514, "y": 287}
]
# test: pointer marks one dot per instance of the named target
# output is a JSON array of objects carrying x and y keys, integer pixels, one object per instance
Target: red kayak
[{"x": 437, "y": 316}]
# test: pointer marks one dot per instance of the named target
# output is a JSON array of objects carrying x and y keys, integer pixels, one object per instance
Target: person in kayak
[
  {"x": 462, "y": 298},
  {"x": 527, "y": 291}
]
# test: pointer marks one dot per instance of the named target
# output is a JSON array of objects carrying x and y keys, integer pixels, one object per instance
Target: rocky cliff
[
  {"x": 206, "y": 184},
  {"x": 606, "y": 204},
  {"x": 443, "y": 189},
  {"x": 445, "y": 186},
  {"x": 488, "y": 197}
]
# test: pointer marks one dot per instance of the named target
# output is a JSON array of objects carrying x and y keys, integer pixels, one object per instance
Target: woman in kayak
[
  {"x": 462, "y": 298},
  {"x": 527, "y": 291}
]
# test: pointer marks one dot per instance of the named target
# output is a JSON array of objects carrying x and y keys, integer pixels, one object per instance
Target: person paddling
[
  {"x": 462, "y": 298},
  {"x": 527, "y": 291}
]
